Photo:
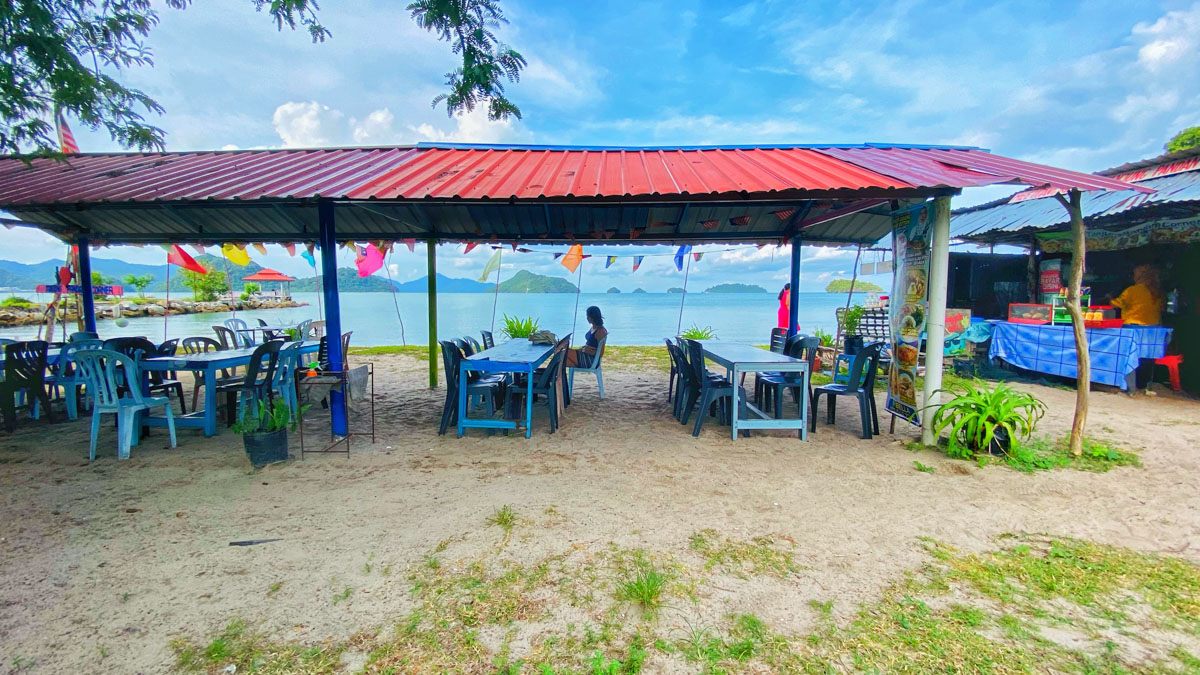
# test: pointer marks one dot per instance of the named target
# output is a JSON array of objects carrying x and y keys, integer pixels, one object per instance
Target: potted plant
[
  {"x": 264, "y": 432},
  {"x": 852, "y": 341},
  {"x": 986, "y": 420},
  {"x": 825, "y": 348},
  {"x": 697, "y": 333}
]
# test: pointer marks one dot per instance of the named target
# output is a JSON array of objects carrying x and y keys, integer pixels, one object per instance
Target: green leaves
[
  {"x": 977, "y": 412},
  {"x": 517, "y": 327},
  {"x": 486, "y": 63},
  {"x": 698, "y": 333},
  {"x": 274, "y": 417}
]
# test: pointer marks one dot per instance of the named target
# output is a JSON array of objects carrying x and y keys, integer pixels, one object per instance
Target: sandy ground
[{"x": 102, "y": 564}]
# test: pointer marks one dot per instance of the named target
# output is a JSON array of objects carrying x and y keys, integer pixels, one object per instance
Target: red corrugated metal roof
[
  {"x": 187, "y": 176},
  {"x": 970, "y": 167},
  {"x": 486, "y": 173}
]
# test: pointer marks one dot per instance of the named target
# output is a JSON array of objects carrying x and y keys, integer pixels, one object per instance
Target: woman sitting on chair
[{"x": 584, "y": 356}]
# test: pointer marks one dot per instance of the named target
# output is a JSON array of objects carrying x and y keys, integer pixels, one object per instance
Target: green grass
[
  {"x": 251, "y": 652},
  {"x": 419, "y": 352},
  {"x": 14, "y": 301},
  {"x": 644, "y": 586},
  {"x": 922, "y": 468},
  {"x": 758, "y": 556},
  {"x": 1042, "y": 454},
  {"x": 504, "y": 518}
]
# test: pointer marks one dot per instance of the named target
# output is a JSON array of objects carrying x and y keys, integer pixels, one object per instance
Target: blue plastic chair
[
  {"x": 241, "y": 331},
  {"x": 68, "y": 377},
  {"x": 103, "y": 370},
  {"x": 594, "y": 369},
  {"x": 284, "y": 380}
]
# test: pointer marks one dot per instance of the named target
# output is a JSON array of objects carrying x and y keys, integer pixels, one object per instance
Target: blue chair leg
[
  {"x": 171, "y": 422},
  {"x": 125, "y": 424},
  {"x": 706, "y": 400},
  {"x": 600, "y": 381},
  {"x": 95, "y": 433}
]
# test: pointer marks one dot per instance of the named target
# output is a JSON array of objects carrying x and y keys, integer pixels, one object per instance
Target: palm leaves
[
  {"x": 977, "y": 412},
  {"x": 487, "y": 63}
]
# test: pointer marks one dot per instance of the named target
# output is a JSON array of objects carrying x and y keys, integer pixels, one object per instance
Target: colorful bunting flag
[
  {"x": 308, "y": 255},
  {"x": 558, "y": 255},
  {"x": 492, "y": 265},
  {"x": 573, "y": 257},
  {"x": 369, "y": 260},
  {"x": 177, "y": 256},
  {"x": 698, "y": 255},
  {"x": 66, "y": 140},
  {"x": 235, "y": 255},
  {"x": 635, "y": 233},
  {"x": 740, "y": 221},
  {"x": 709, "y": 224},
  {"x": 637, "y": 261},
  {"x": 609, "y": 261},
  {"x": 260, "y": 248},
  {"x": 290, "y": 248},
  {"x": 199, "y": 249},
  {"x": 470, "y": 247},
  {"x": 679, "y": 255},
  {"x": 411, "y": 244}
]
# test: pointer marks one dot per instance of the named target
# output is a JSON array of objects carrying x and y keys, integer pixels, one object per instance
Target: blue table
[
  {"x": 743, "y": 358},
  {"x": 209, "y": 363},
  {"x": 1115, "y": 352},
  {"x": 513, "y": 356}
]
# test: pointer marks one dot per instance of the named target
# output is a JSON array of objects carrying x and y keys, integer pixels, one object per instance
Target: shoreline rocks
[{"x": 12, "y": 317}]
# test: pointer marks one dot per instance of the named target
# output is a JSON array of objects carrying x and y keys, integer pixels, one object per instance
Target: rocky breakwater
[{"x": 32, "y": 315}]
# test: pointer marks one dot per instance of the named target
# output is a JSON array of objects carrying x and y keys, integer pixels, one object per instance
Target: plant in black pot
[
  {"x": 852, "y": 342},
  {"x": 264, "y": 432},
  {"x": 986, "y": 420}
]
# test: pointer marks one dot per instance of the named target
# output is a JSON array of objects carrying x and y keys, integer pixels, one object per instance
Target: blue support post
[
  {"x": 87, "y": 304},
  {"x": 333, "y": 310},
  {"x": 793, "y": 301}
]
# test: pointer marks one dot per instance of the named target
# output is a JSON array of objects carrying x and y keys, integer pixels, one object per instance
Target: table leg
[
  {"x": 210, "y": 401},
  {"x": 529, "y": 403},
  {"x": 462, "y": 398},
  {"x": 733, "y": 413},
  {"x": 804, "y": 412}
]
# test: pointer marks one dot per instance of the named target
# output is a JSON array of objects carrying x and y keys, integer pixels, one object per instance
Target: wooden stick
[{"x": 1083, "y": 379}]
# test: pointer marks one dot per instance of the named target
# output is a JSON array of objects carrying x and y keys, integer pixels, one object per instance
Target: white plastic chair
[
  {"x": 103, "y": 369},
  {"x": 593, "y": 369}
]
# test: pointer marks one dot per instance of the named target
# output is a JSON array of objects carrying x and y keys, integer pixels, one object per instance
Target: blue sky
[{"x": 1083, "y": 85}]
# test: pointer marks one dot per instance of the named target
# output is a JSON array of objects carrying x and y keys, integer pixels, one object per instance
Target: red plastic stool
[{"x": 1172, "y": 362}]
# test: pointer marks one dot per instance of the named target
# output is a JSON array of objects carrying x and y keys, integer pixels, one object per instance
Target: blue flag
[
  {"x": 307, "y": 255},
  {"x": 609, "y": 261},
  {"x": 680, "y": 255}
]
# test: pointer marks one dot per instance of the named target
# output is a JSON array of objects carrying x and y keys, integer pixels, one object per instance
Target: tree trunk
[{"x": 1083, "y": 378}]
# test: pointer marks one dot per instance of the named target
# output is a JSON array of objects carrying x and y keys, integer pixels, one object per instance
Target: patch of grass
[
  {"x": 637, "y": 358},
  {"x": 251, "y": 652},
  {"x": 18, "y": 302},
  {"x": 419, "y": 352},
  {"x": 504, "y": 518},
  {"x": 644, "y": 587},
  {"x": 343, "y": 596},
  {"x": 275, "y": 588},
  {"x": 1041, "y": 454},
  {"x": 758, "y": 556},
  {"x": 922, "y": 467}
]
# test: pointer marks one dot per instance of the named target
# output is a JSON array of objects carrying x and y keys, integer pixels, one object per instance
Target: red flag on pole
[
  {"x": 177, "y": 256},
  {"x": 66, "y": 140}
]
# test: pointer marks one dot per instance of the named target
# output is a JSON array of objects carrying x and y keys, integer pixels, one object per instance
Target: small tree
[
  {"x": 139, "y": 283},
  {"x": 205, "y": 287},
  {"x": 1188, "y": 138}
]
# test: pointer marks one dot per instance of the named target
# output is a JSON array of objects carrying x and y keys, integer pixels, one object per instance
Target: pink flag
[
  {"x": 369, "y": 260},
  {"x": 291, "y": 249},
  {"x": 470, "y": 247},
  {"x": 411, "y": 244}
]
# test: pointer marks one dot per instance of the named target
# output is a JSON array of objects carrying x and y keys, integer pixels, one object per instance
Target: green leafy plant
[
  {"x": 851, "y": 318},
  {"x": 138, "y": 283},
  {"x": 698, "y": 333},
  {"x": 205, "y": 287},
  {"x": 16, "y": 302},
  {"x": 518, "y": 327},
  {"x": 825, "y": 338},
  {"x": 977, "y": 412},
  {"x": 267, "y": 418},
  {"x": 645, "y": 587}
]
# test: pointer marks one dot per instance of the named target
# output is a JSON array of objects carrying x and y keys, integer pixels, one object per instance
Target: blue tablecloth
[{"x": 1114, "y": 352}]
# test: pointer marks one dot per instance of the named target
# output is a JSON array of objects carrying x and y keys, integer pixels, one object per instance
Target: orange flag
[{"x": 573, "y": 257}]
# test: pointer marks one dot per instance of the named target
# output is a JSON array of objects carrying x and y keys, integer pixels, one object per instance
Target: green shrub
[
  {"x": 977, "y": 412},
  {"x": 516, "y": 327},
  {"x": 697, "y": 333},
  {"x": 851, "y": 318},
  {"x": 14, "y": 301},
  {"x": 825, "y": 338}
]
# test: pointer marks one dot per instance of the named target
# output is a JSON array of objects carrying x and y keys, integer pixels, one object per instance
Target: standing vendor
[{"x": 1142, "y": 303}]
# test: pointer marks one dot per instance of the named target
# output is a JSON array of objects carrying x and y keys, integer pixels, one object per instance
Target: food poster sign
[{"x": 911, "y": 231}]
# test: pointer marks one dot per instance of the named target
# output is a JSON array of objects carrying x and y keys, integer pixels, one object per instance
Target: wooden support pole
[
  {"x": 1033, "y": 272},
  {"x": 1083, "y": 373},
  {"x": 431, "y": 301}
]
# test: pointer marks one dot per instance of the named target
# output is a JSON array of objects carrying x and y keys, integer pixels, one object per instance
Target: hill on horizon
[
  {"x": 860, "y": 286},
  {"x": 445, "y": 284},
  {"x": 525, "y": 281},
  {"x": 735, "y": 288}
]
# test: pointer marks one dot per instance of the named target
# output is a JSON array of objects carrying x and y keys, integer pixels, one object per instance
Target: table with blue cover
[
  {"x": 1115, "y": 352},
  {"x": 209, "y": 363},
  {"x": 743, "y": 358},
  {"x": 513, "y": 356}
]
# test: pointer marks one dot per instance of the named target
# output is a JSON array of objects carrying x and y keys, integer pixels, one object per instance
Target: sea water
[{"x": 631, "y": 318}]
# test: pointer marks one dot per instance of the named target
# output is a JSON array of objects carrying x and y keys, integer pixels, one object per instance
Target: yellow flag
[{"x": 236, "y": 255}]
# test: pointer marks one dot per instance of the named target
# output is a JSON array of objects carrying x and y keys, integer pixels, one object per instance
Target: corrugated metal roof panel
[{"x": 1047, "y": 212}]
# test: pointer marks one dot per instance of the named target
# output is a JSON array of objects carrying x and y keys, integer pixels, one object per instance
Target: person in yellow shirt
[{"x": 1142, "y": 303}]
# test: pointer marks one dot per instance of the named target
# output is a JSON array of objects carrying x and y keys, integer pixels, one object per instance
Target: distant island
[
  {"x": 843, "y": 286},
  {"x": 525, "y": 281},
  {"x": 639, "y": 290},
  {"x": 736, "y": 288},
  {"x": 614, "y": 289},
  {"x": 445, "y": 284},
  {"x": 675, "y": 290}
]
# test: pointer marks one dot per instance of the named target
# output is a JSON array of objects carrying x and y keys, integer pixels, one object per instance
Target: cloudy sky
[{"x": 1083, "y": 85}]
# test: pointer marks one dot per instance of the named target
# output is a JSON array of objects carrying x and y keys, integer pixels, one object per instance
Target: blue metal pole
[
  {"x": 793, "y": 301},
  {"x": 333, "y": 310},
  {"x": 87, "y": 305}
]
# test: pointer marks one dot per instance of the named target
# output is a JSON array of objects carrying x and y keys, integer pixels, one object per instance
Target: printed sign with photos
[{"x": 911, "y": 232}]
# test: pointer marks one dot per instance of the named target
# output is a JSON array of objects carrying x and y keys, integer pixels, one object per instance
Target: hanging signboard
[
  {"x": 911, "y": 233},
  {"x": 1183, "y": 231},
  {"x": 97, "y": 289}
]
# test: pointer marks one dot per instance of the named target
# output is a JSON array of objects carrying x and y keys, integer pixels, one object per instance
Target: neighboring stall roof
[
  {"x": 505, "y": 192},
  {"x": 1174, "y": 177}
]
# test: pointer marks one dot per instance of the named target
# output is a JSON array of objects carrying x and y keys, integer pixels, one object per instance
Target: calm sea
[{"x": 632, "y": 319}]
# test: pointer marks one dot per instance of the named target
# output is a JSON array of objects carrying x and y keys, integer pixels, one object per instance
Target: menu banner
[
  {"x": 1184, "y": 231},
  {"x": 911, "y": 233}
]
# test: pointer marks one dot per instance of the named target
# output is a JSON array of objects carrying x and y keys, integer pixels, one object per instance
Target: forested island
[
  {"x": 860, "y": 286},
  {"x": 736, "y": 288}
]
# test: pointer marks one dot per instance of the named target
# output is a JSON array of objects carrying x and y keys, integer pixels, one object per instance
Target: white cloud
[
  {"x": 742, "y": 16},
  {"x": 564, "y": 84},
  {"x": 472, "y": 127},
  {"x": 308, "y": 125},
  {"x": 375, "y": 128}
]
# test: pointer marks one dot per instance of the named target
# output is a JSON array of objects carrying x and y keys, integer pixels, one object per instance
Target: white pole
[{"x": 935, "y": 326}]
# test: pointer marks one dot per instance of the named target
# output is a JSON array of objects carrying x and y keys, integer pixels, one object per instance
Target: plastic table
[
  {"x": 209, "y": 363},
  {"x": 743, "y": 358},
  {"x": 512, "y": 356}
]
